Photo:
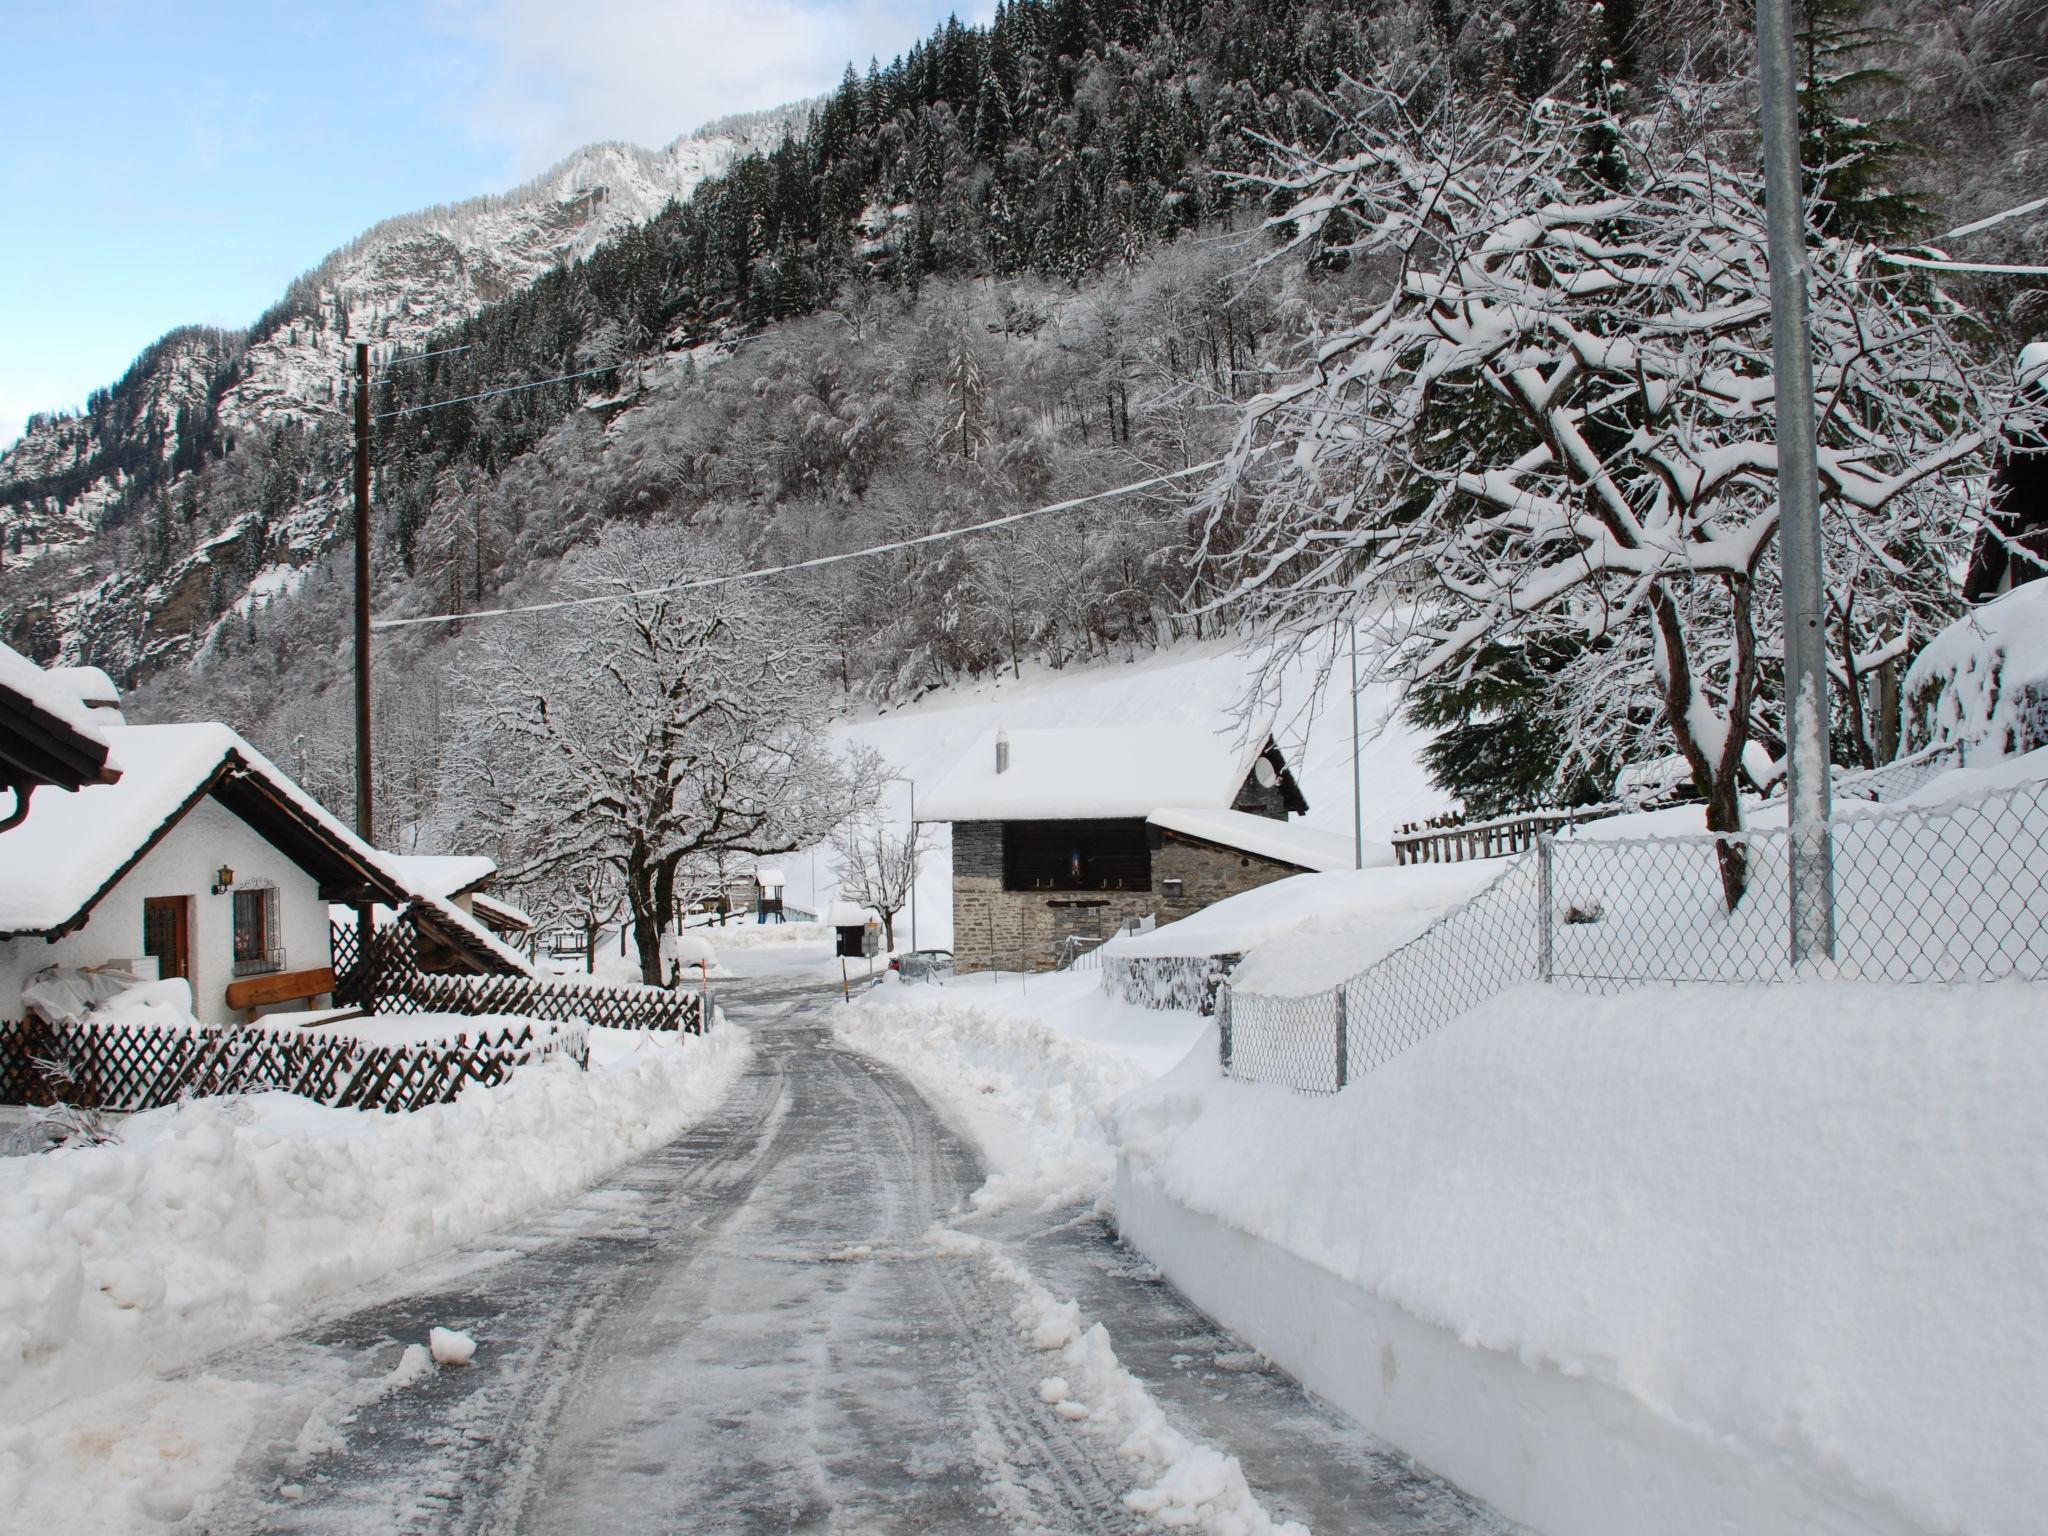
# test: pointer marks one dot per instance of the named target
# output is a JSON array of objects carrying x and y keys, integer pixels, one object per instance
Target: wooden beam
[{"x": 280, "y": 987}]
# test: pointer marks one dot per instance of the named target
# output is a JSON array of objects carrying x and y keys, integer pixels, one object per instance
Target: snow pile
[
  {"x": 752, "y": 935},
  {"x": 1805, "y": 1223},
  {"x": 1034, "y": 1074},
  {"x": 221, "y": 1219},
  {"x": 1983, "y": 681},
  {"x": 1184, "y": 1485},
  {"x": 451, "y": 1346}
]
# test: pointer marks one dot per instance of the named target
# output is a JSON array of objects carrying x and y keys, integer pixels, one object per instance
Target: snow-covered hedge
[
  {"x": 1167, "y": 981},
  {"x": 1983, "y": 681},
  {"x": 225, "y": 1218}
]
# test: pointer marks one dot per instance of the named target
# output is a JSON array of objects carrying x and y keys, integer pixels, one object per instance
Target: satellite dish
[{"x": 1267, "y": 775}]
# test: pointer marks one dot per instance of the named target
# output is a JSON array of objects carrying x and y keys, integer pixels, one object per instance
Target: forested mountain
[{"x": 1016, "y": 263}]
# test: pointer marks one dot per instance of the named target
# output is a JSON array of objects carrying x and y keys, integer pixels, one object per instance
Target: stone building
[{"x": 1062, "y": 836}]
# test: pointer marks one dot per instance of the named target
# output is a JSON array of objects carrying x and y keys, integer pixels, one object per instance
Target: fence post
[
  {"x": 1343, "y": 1038},
  {"x": 1546, "y": 876},
  {"x": 1223, "y": 1027}
]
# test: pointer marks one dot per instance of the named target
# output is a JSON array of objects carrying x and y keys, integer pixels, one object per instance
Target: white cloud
[{"x": 562, "y": 75}]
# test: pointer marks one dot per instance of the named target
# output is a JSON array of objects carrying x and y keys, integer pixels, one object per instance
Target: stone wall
[
  {"x": 1013, "y": 929},
  {"x": 1207, "y": 874}
]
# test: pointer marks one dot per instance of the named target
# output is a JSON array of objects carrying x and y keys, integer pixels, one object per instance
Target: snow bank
[
  {"x": 1033, "y": 1072},
  {"x": 222, "y": 1219},
  {"x": 1802, "y": 1226}
]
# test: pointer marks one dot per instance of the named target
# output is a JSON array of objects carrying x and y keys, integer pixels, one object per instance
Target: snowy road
[{"x": 749, "y": 1332}]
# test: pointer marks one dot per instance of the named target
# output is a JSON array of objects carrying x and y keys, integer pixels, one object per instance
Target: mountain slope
[{"x": 188, "y": 397}]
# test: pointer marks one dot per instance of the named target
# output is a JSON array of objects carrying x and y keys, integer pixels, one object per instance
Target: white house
[{"x": 203, "y": 860}]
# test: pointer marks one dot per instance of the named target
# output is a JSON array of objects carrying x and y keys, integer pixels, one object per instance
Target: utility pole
[
  {"x": 366, "y": 825},
  {"x": 1799, "y": 544},
  {"x": 1357, "y": 789}
]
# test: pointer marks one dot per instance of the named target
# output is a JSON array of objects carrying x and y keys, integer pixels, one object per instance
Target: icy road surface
[{"x": 748, "y": 1331}]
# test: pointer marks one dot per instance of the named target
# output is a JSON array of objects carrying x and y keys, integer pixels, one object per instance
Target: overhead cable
[
  {"x": 698, "y": 583},
  {"x": 420, "y": 357},
  {"x": 491, "y": 394}
]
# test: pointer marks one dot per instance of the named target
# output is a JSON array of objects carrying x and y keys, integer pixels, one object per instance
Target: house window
[
  {"x": 1077, "y": 856},
  {"x": 1173, "y": 887},
  {"x": 258, "y": 945}
]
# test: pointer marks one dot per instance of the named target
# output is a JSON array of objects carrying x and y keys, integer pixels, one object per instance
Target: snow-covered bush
[{"x": 1982, "y": 683}]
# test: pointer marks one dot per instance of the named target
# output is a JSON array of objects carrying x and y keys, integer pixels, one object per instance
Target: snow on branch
[{"x": 1550, "y": 413}]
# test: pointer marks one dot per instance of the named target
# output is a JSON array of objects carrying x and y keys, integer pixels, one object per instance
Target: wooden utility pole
[
  {"x": 365, "y": 817},
  {"x": 366, "y": 913}
]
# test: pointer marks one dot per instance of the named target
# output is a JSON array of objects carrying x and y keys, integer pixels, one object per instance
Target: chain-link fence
[
  {"x": 1945, "y": 893},
  {"x": 1900, "y": 777}
]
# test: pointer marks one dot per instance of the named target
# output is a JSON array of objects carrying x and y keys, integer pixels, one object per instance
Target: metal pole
[
  {"x": 1799, "y": 545},
  {"x": 913, "y": 859},
  {"x": 1357, "y": 790}
]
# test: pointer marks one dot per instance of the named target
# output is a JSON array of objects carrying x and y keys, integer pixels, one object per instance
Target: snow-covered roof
[
  {"x": 1084, "y": 773},
  {"x": 71, "y": 845},
  {"x": 503, "y": 913},
  {"x": 92, "y": 687},
  {"x": 46, "y": 690},
  {"x": 71, "y": 848},
  {"x": 770, "y": 879},
  {"x": 1288, "y": 842},
  {"x": 442, "y": 874},
  {"x": 47, "y": 734},
  {"x": 846, "y": 914}
]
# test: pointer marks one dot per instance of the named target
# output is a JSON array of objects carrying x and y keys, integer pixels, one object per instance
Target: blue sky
[{"x": 169, "y": 164}]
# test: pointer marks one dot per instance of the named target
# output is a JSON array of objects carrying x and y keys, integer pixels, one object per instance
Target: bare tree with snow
[
  {"x": 876, "y": 865},
  {"x": 655, "y": 733},
  {"x": 1546, "y": 415}
]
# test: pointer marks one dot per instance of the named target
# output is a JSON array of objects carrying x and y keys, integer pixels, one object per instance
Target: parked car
[{"x": 922, "y": 964}]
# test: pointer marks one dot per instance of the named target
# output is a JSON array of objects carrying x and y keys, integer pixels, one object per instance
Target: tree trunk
[
  {"x": 646, "y": 922},
  {"x": 888, "y": 932},
  {"x": 1717, "y": 778}
]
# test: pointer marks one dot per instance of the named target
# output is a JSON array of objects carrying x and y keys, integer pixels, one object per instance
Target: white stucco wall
[{"x": 183, "y": 864}]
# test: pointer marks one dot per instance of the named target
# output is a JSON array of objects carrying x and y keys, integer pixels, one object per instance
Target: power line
[
  {"x": 420, "y": 357},
  {"x": 1996, "y": 218},
  {"x": 491, "y": 394},
  {"x": 1932, "y": 265},
  {"x": 700, "y": 582}
]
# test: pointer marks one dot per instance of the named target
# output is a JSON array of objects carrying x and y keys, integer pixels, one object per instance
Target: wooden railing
[{"x": 1453, "y": 840}]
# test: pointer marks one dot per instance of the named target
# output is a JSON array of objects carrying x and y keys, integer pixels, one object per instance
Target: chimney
[{"x": 1002, "y": 751}]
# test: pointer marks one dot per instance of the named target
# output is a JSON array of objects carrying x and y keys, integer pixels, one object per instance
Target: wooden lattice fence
[
  {"x": 135, "y": 1066},
  {"x": 395, "y": 984},
  {"x": 531, "y": 997}
]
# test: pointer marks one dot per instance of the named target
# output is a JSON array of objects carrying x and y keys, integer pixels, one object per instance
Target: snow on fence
[
  {"x": 395, "y": 984},
  {"x": 1942, "y": 894},
  {"x": 1167, "y": 981},
  {"x": 131, "y": 1065},
  {"x": 1900, "y": 777},
  {"x": 1453, "y": 840}
]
